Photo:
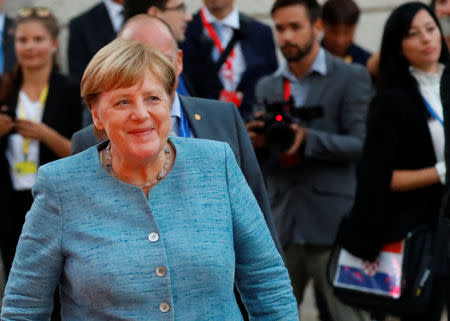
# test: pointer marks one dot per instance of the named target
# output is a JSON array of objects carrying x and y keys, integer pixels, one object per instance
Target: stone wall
[{"x": 368, "y": 34}]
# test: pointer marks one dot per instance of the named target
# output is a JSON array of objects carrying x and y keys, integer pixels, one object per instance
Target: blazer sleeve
[
  {"x": 370, "y": 209},
  {"x": 252, "y": 172},
  {"x": 347, "y": 145},
  {"x": 261, "y": 277},
  {"x": 38, "y": 263}
]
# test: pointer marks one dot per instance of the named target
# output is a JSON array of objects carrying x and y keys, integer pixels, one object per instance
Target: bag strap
[{"x": 227, "y": 51}]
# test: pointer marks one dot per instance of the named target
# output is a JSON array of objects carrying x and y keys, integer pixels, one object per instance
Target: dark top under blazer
[
  {"x": 258, "y": 49},
  {"x": 62, "y": 112},
  {"x": 398, "y": 137},
  {"x": 88, "y": 33},
  {"x": 9, "y": 55}
]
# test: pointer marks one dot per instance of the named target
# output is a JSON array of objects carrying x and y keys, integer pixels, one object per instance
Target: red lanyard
[
  {"x": 213, "y": 34},
  {"x": 287, "y": 91}
]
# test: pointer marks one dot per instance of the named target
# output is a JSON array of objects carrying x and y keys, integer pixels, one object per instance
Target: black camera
[{"x": 278, "y": 118}]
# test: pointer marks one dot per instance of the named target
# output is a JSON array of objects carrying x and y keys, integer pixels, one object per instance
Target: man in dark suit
[
  {"x": 7, "y": 54},
  {"x": 91, "y": 31},
  {"x": 219, "y": 29},
  {"x": 312, "y": 179},
  {"x": 205, "y": 118}
]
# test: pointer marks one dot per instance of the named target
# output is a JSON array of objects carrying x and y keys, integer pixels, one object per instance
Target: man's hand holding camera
[{"x": 260, "y": 136}]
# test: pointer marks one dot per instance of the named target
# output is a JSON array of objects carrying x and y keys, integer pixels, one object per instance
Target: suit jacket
[
  {"x": 9, "y": 55},
  {"x": 398, "y": 137},
  {"x": 216, "y": 121},
  {"x": 62, "y": 112},
  {"x": 97, "y": 238},
  {"x": 88, "y": 33},
  {"x": 258, "y": 48},
  {"x": 310, "y": 200}
]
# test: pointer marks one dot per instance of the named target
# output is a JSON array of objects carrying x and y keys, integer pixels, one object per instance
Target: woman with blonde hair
[
  {"x": 142, "y": 226},
  {"x": 40, "y": 109}
]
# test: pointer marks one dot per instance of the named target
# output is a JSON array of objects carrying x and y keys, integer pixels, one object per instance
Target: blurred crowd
[{"x": 337, "y": 143}]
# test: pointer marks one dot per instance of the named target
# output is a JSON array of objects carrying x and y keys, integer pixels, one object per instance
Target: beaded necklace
[{"x": 106, "y": 160}]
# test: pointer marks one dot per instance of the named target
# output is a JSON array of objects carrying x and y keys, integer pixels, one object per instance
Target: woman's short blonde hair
[{"x": 121, "y": 64}]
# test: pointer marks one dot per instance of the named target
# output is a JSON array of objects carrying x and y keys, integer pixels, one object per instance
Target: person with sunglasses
[{"x": 40, "y": 109}]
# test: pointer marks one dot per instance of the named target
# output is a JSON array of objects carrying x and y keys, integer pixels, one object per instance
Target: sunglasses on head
[{"x": 40, "y": 12}]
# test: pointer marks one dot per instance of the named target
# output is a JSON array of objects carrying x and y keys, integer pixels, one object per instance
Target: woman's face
[
  {"x": 442, "y": 8},
  {"x": 136, "y": 119},
  {"x": 422, "y": 45},
  {"x": 34, "y": 45}
]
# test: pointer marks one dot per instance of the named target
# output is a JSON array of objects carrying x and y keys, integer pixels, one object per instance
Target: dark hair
[
  {"x": 433, "y": 4},
  {"x": 312, "y": 6},
  {"x": 393, "y": 66},
  {"x": 135, "y": 7},
  {"x": 336, "y": 12}
]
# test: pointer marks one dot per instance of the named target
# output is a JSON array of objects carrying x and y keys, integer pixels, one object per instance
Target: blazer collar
[{"x": 196, "y": 118}]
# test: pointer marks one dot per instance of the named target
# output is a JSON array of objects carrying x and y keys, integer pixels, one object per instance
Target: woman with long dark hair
[
  {"x": 402, "y": 170},
  {"x": 40, "y": 110}
]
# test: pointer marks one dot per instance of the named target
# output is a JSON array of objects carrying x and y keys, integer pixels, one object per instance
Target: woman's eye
[
  {"x": 153, "y": 99},
  {"x": 122, "y": 102},
  {"x": 429, "y": 29}
]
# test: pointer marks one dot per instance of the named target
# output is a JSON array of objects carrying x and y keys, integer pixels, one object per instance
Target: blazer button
[
  {"x": 153, "y": 237},
  {"x": 164, "y": 307},
  {"x": 161, "y": 271}
]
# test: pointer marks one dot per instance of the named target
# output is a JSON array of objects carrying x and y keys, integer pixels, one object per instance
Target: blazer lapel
[
  {"x": 48, "y": 115},
  {"x": 104, "y": 25},
  {"x": 245, "y": 45},
  {"x": 195, "y": 118},
  {"x": 318, "y": 84}
]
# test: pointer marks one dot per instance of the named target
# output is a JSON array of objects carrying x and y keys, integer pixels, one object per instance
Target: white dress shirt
[
  {"x": 14, "y": 152},
  {"x": 115, "y": 14},
  {"x": 227, "y": 25},
  {"x": 429, "y": 86}
]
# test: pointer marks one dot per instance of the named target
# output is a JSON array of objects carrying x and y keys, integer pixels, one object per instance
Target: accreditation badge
[
  {"x": 25, "y": 168},
  {"x": 234, "y": 97}
]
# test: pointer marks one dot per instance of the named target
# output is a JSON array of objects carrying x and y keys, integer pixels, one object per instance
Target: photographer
[{"x": 311, "y": 183}]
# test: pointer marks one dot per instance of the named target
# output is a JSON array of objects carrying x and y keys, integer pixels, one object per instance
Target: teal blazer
[{"x": 174, "y": 256}]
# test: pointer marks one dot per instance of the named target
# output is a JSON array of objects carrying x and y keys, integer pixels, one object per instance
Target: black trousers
[{"x": 13, "y": 216}]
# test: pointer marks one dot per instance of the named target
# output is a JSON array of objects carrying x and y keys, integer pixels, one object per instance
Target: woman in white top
[
  {"x": 401, "y": 175},
  {"x": 40, "y": 110}
]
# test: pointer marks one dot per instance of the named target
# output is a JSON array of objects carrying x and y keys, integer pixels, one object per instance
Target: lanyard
[
  {"x": 22, "y": 115},
  {"x": 228, "y": 72},
  {"x": 184, "y": 125},
  {"x": 432, "y": 112},
  {"x": 287, "y": 89},
  {"x": 287, "y": 92}
]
